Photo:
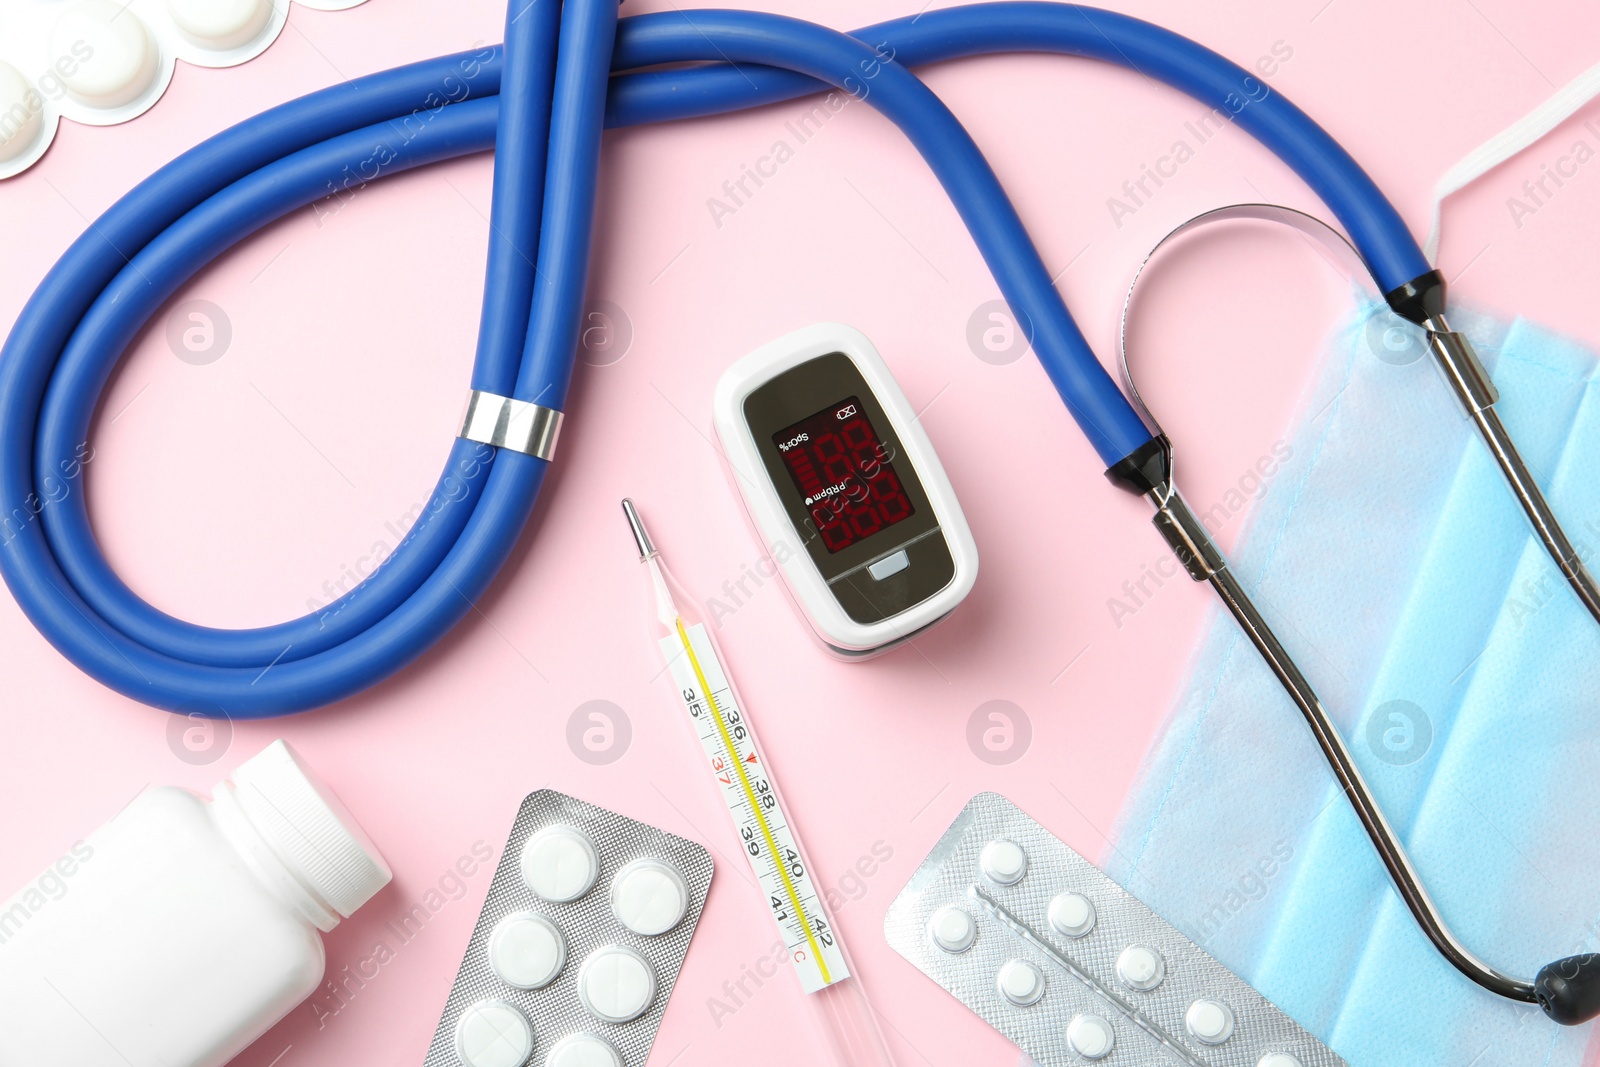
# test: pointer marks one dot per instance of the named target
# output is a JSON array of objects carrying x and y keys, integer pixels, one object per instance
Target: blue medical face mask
[{"x": 1397, "y": 567}]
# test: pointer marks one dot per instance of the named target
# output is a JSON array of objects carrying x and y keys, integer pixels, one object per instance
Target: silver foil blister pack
[
  {"x": 585, "y": 904},
  {"x": 1072, "y": 967}
]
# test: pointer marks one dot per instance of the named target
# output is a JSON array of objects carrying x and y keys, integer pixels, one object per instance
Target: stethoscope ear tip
[{"x": 1569, "y": 989}]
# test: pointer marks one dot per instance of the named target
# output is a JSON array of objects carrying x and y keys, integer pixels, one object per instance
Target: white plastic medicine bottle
[{"x": 181, "y": 930}]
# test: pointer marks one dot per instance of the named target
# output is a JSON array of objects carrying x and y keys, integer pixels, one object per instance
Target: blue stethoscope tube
[{"x": 551, "y": 85}]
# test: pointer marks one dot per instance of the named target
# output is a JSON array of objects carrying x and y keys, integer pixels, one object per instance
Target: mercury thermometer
[{"x": 767, "y": 836}]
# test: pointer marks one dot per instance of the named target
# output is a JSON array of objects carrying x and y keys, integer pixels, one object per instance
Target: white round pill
[
  {"x": 952, "y": 929},
  {"x": 1071, "y": 914},
  {"x": 649, "y": 897},
  {"x": 111, "y": 59},
  {"x": 21, "y": 113},
  {"x": 526, "y": 951},
  {"x": 1141, "y": 968},
  {"x": 492, "y": 1033},
  {"x": 1210, "y": 1021},
  {"x": 560, "y": 864},
  {"x": 1279, "y": 1059},
  {"x": 1020, "y": 982},
  {"x": 583, "y": 1050},
  {"x": 616, "y": 984},
  {"x": 1090, "y": 1036},
  {"x": 220, "y": 24},
  {"x": 1003, "y": 862}
]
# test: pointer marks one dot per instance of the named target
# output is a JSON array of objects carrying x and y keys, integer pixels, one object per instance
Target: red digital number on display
[{"x": 844, "y": 473}]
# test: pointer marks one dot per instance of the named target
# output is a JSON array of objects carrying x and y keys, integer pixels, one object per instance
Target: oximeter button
[
  {"x": 1279, "y": 1059},
  {"x": 220, "y": 24},
  {"x": 649, "y": 897},
  {"x": 1209, "y": 1021},
  {"x": 1090, "y": 1036},
  {"x": 1141, "y": 968},
  {"x": 1003, "y": 862},
  {"x": 1071, "y": 915},
  {"x": 493, "y": 1033},
  {"x": 122, "y": 62},
  {"x": 1020, "y": 982},
  {"x": 17, "y": 98},
  {"x": 952, "y": 929},
  {"x": 889, "y": 565},
  {"x": 559, "y": 864}
]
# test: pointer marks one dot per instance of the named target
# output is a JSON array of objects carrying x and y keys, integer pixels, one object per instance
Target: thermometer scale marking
[{"x": 825, "y": 963}]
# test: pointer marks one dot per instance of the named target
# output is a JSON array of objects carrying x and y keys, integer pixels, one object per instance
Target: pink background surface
[{"x": 230, "y": 493}]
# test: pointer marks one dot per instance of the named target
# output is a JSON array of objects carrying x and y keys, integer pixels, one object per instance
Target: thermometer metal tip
[{"x": 641, "y": 536}]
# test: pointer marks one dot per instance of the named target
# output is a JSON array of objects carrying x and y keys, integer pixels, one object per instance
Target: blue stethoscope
[{"x": 541, "y": 102}]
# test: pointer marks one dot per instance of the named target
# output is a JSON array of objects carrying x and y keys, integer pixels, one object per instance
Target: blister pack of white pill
[
  {"x": 101, "y": 62},
  {"x": 579, "y": 942},
  {"x": 1072, "y": 967}
]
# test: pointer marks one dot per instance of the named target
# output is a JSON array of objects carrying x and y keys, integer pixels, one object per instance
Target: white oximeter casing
[{"x": 844, "y": 489}]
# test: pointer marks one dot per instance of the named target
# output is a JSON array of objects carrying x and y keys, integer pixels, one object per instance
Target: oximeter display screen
[{"x": 844, "y": 474}]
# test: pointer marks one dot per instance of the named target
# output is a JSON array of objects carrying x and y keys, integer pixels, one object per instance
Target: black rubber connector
[
  {"x": 1420, "y": 299},
  {"x": 1569, "y": 989},
  {"x": 1145, "y": 468}
]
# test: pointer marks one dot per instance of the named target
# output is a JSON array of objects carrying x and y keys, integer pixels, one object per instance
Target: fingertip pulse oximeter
[{"x": 844, "y": 489}]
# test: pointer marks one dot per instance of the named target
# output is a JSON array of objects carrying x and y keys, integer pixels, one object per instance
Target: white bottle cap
[{"x": 308, "y": 828}]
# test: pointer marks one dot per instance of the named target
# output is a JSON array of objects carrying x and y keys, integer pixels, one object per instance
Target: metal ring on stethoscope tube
[{"x": 505, "y": 422}]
